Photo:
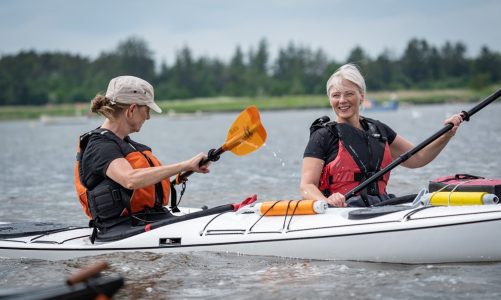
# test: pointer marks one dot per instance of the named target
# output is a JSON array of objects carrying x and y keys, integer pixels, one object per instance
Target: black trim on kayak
[
  {"x": 224, "y": 232},
  {"x": 15, "y": 230},
  {"x": 406, "y": 217},
  {"x": 411, "y": 213},
  {"x": 119, "y": 232},
  {"x": 74, "y": 238},
  {"x": 397, "y": 200},
  {"x": 126, "y": 230},
  {"x": 368, "y": 213},
  {"x": 450, "y": 215},
  {"x": 382, "y": 208},
  {"x": 206, "y": 225},
  {"x": 256, "y": 241}
]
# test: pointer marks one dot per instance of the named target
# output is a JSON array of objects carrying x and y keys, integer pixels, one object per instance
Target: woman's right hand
[
  {"x": 455, "y": 120},
  {"x": 337, "y": 199},
  {"x": 193, "y": 164}
]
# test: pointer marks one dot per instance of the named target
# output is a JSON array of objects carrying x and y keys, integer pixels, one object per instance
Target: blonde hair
[
  {"x": 107, "y": 108},
  {"x": 348, "y": 72}
]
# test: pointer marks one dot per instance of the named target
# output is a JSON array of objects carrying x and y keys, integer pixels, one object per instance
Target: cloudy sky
[{"x": 215, "y": 27}]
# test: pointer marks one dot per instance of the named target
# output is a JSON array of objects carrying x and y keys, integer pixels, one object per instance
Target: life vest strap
[{"x": 173, "y": 196}]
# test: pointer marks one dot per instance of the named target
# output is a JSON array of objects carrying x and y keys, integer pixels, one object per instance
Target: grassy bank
[
  {"x": 219, "y": 104},
  {"x": 319, "y": 101}
]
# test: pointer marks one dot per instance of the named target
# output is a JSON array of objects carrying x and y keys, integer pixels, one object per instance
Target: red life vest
[
  {"x": 347, "y": 171},
  {"x": 107, "y": 199}
]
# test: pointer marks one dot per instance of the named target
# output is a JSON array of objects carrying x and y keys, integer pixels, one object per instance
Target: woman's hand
[
  {"x": 193, "y": 164},
  {"x": 337, "y": 199},
  {"x": 455, "y": 120}
]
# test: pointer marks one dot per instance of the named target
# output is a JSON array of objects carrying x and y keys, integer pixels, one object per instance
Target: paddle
[
  {"x": 466, "y": 116},
  {"x": 245, "y": 136},
  {"x": 88, "y": 272}
]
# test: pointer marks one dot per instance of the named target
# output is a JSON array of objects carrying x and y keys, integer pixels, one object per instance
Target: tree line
[{"x": 31, "y": 78}]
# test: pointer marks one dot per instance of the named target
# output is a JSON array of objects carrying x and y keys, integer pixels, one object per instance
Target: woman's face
[
  {"x": 345, "y": 101},
  {"x": 139, "y": 113}
]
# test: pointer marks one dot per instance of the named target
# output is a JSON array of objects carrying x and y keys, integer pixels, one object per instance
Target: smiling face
[{"x": 345, "y": 99}]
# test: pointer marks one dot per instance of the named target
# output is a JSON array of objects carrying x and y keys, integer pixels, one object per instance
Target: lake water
[{"x": 36, "y": 184}]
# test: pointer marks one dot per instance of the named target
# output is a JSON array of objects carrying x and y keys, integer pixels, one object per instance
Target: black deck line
[
  {"x": 126, "y": 230},
  {"x": 40, "y": 229}
]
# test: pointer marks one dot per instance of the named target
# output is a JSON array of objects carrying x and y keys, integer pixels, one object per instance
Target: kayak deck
[
  {"x": 391, "y": 237},
  {"x": 13, "y": 230}
]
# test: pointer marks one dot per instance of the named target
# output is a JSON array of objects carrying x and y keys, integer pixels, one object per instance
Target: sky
[{"x": 214, "y": 28}]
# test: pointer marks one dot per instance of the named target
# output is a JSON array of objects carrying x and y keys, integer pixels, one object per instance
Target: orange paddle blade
[{"x": 246, "y": 134}]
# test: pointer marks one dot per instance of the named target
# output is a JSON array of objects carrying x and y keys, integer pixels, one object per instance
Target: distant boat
[
  {"x": 373, "y": 105},
  {"x": 80, "y": 117},
  {"x": 63, "y": 120},
  {"x": 177, "y": 115}
]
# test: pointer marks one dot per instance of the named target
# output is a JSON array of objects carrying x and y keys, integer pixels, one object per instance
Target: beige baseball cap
[{"x": 131, "y": 89}]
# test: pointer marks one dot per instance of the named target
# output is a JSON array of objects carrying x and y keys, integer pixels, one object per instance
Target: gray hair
[{"x": 348, "y": 72}]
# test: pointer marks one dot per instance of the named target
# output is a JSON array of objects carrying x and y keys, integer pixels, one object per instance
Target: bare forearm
[
  {"x": 310, "y": 177},
  {"x": 138, "y": 178},
  {"x": 122, "y": 172},
  {"x": 311, "y": 191},
  {"x": 428, "y": 153}
]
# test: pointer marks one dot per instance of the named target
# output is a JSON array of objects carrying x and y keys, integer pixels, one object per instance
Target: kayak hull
[{"x": 412, "y": 235}]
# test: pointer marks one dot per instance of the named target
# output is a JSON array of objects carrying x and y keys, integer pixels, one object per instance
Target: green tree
[
  {"x": 415, "y": 62},
  {"x": 289, "y": 70},
  {"x": 488, "y": 63},
  {"x": 31, "y": 78},
  {"x": 379, "y": 73},
  {"x": 316, "y": 68},
  {"x": 358, "y": 56},
  {"x": 299, "y": 70},
  {"x": 257, "y": 73},
  {"x": 453, "y": 60},
  {"x": 234, "y": 79},
  {"x": 135, "y": 58},
  {"x": 182, "y": 75},
  {"x": 45, "y": 78}
]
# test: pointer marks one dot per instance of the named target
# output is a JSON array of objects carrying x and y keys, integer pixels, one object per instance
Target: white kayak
[{"x": 394, "y": 234}]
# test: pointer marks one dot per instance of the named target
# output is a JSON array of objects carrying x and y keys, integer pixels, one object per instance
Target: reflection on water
[{"x": 36, "y": 183}]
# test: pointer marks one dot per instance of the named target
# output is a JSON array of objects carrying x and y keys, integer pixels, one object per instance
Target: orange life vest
[{"x": 107, "y": 199}]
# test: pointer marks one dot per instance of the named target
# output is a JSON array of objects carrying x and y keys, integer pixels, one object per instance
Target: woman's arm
[
  {"x": 122, "y": 172},
  {"x": 310, "y": 178},
  {"x": 428, "y": 153}
]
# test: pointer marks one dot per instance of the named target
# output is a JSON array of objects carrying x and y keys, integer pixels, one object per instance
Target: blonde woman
[{"x": 343, "y": 153}]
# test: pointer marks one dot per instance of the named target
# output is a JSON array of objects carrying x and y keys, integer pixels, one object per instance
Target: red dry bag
[{"x": 466, "y": 183}]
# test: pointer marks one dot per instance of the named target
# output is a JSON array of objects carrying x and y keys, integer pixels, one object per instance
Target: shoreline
[{"x": 231, "y": 104}]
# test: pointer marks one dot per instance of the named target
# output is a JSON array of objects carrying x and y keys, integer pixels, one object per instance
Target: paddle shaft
[
  {"x": 408, "y": 154},
  {"x": 86, "y": 273}
]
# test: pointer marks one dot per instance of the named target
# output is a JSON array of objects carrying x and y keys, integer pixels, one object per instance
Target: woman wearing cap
[
  {"x": 342, "y": 154},
  {"x": 116, "y": 177}
]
